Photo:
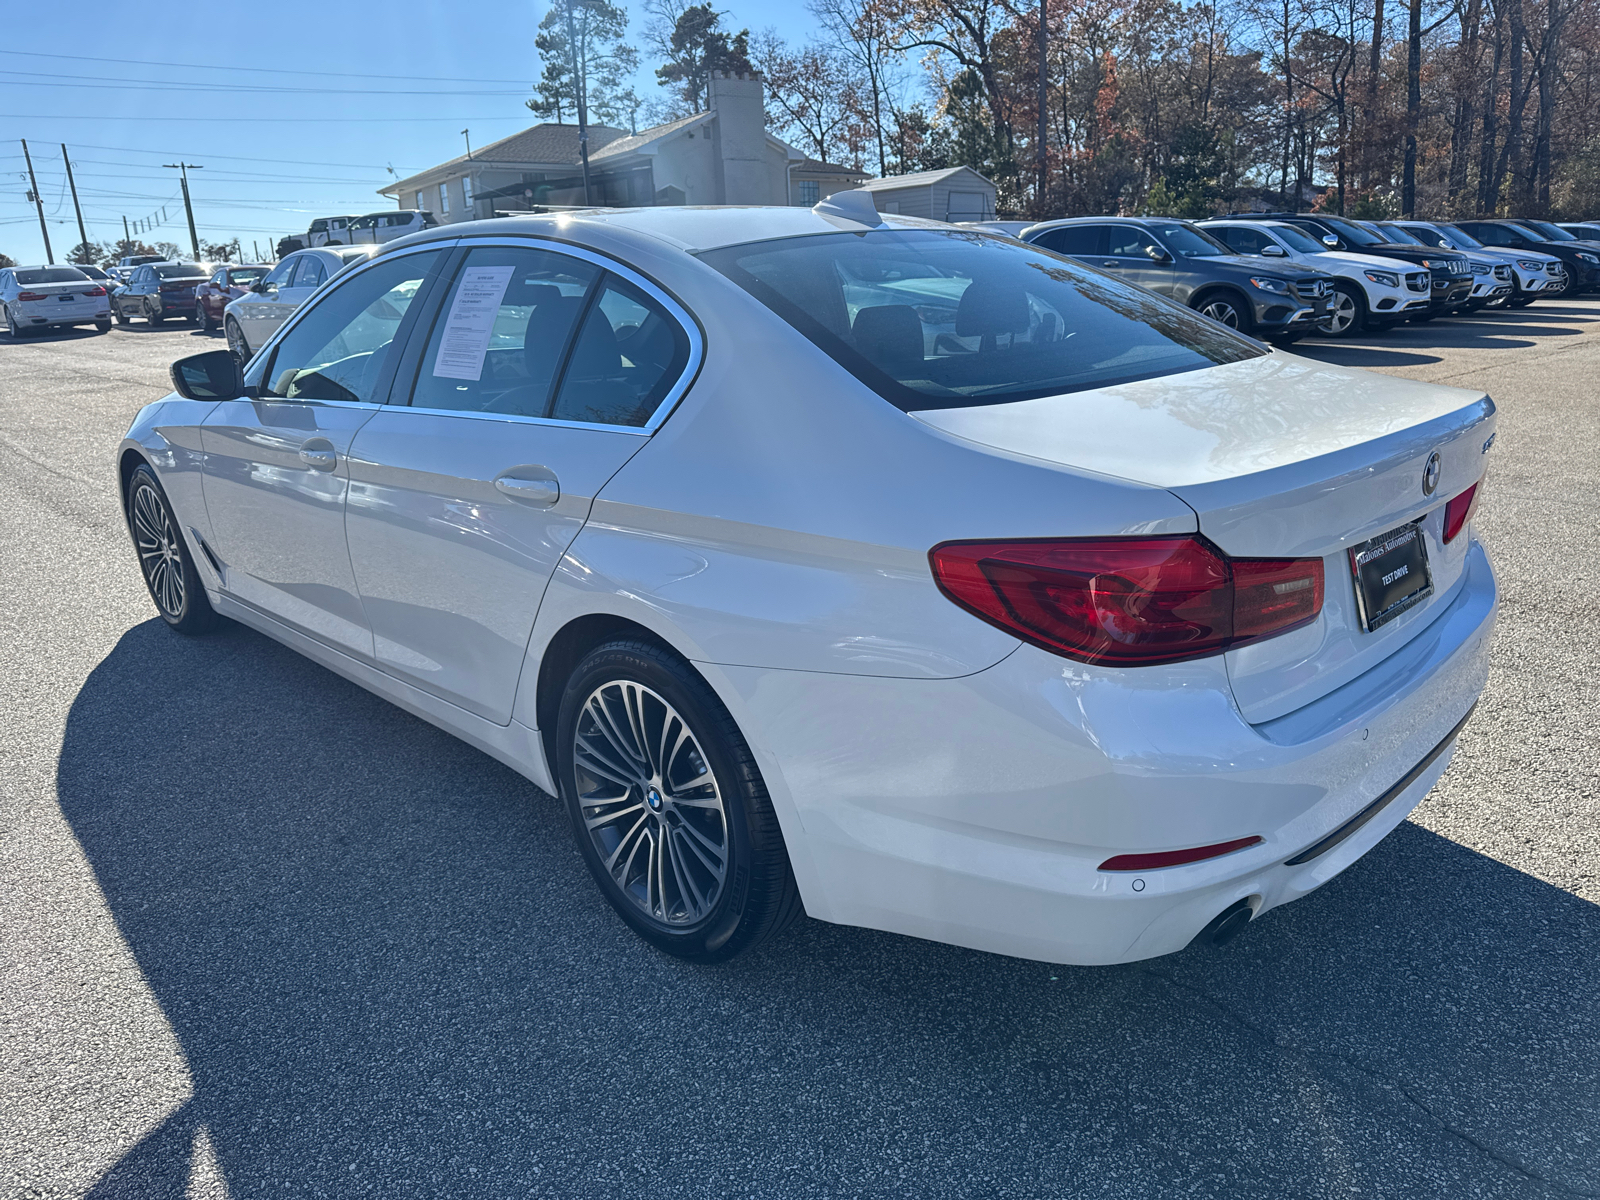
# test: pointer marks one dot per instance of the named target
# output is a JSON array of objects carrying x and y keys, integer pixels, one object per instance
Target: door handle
[
  {"x": 318, "y": 458},
  {"x": 1110, "y": 262},
  {"x": 540, "y": 492}
]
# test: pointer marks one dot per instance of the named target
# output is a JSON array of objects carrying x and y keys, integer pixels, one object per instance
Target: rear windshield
[
  {"x": 51, "y": 275},
  {"x": 182, "y": 271},
  {"x": 954, "y": 319},
  {"x": 246, "y": 274}
]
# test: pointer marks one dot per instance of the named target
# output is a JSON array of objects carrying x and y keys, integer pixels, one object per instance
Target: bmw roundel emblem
[{"x": 1430, "y": 474}]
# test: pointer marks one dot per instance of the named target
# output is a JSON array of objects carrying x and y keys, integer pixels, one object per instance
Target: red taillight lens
[
  {"x": 32, "y": 296},
  {"x": 1459, "y": 511},
  {"x": 92, "y": 292},
  {"x": 1128, "y": 601},
  {"x": 1175, "y": 858}
]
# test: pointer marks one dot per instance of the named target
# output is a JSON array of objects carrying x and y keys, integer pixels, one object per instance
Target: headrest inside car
[
  {"x": 989, "y": 308},
  {"x": 890, "y": 335}
]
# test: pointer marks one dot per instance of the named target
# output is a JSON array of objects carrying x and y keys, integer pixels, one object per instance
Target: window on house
[
  {"x": 466, "y": 194},
  {"x": 444, "y": 199},
  {"x": 808, "y": 192},
  {"x": 416, "y": 200}
]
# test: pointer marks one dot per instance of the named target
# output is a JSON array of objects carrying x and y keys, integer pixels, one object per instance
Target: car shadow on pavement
[{"x": 390, "y": 974}]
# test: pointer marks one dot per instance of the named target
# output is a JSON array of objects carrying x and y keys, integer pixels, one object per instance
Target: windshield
[
  {"x": 1355, "y": 234},
  {"x": 1426, "y": 236},
  {"x": 1554, "y": 232},
  {"x": 1462, "y": 239},
  {"x": 1298, "y": 239},
  {"x": 934, "y": 319},
  {"x": 1188, "y": 242},
  {"x": 1402, "y": 237},
  {"x": 51, "y": 275},
  {"x": 182, "y": 271},
  {"x": 246, "y": 274}
]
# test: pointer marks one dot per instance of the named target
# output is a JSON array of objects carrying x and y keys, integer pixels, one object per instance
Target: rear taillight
[
  {"x": 32, "y": 296},
  {"x": 92, "y": 292},
  {"x": 1459, "y": 511},
  {"x": 1128, "y": 601}
]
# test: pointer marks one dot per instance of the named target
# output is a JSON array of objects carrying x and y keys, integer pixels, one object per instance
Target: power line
[
  {"x": 293, "y": 162},
  {"x": 135, "y": 62},
  {"x": 41, "y": 78},
  {"x": 253, "y": 120}
]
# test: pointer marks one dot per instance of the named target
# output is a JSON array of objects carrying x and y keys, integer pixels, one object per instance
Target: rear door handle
[
  {"x": 1110, "y": 262},
  {"x": 542, "y": 491},
  {"x": 319, "y": 455}
]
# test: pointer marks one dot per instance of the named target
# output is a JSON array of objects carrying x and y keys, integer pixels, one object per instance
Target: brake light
[
  {"x": 1175, "y": 858},
  {"x": 1459, "y": 511},
  {"x": 1128, "y": 601},
  {"x": 32, "y": 296},
  {"x": 97, "y": 291}
]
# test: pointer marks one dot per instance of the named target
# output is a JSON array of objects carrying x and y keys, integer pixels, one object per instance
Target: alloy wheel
[
  {"x": 1223, "y": 311},
  {"x": 1342, "y": 313},
  {"x": 650, "y": 803},
  {"x": 160, "y": 556},
  {"x": 236, "y": 342}
]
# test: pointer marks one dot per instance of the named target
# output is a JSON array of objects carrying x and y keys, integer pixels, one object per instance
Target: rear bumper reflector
[
  {"x": 1175, "y": 858},
  {"x": 1318, "y": 849}
]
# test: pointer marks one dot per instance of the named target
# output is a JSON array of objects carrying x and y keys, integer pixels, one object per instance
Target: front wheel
[
  {"x": 164, "y": 560},
  {"x": 1347, "y": 314},
  {"x": 236, "y": 342},
  {"x": 1226, "y": 310},
  {"x": 668, "y": 807}
]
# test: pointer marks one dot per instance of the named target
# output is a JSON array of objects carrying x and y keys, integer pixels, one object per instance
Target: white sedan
[
  {"x": 912, "y": 576},
  {"x": 254, "y": 317},
  {"x": 35, "y": 299}
]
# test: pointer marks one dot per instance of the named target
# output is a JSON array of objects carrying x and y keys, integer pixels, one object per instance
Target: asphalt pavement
[{"x": 264, "y": 935}]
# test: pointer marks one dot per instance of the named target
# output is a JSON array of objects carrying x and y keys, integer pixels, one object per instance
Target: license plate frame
[{"x": 1381, "y": 568}]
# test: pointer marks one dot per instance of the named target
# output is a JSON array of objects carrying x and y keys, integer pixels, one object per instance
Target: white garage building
[{"x": 954, "y": 194}]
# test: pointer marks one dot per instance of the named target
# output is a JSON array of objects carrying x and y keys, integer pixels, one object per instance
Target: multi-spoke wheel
[
  {"x": 668, "y": 806},
  {"x": 1347, "y": 314},
  {"x": 1221, "y": 307},
  {"x": 164, "y": 559},
  {"x": 236, "y": 342}
]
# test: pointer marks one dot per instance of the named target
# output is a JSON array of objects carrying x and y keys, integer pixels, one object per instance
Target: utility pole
[
  {"x": 580, "y": 87},
  {"x": 83, "y": 236},
  {"x": 126, "y": 236},
  {"x": 38, "y": 201},
  {"x": 185, "y": 168},
  {"x": 466, "y": 133}
]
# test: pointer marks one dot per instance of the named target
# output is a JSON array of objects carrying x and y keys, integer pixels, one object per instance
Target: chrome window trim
[{"x": 644, "y": 283}]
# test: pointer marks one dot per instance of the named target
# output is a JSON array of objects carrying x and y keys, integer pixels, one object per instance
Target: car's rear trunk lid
[{"x": 1279, "y": 457}]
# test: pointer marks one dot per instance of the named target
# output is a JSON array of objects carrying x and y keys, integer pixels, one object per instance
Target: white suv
[
  {"x": 1368, "y": 290},
  {"x": 386, "y": 226}
]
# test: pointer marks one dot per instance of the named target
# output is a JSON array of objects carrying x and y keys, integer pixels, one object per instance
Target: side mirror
[
  {"x": 1330, "y": 241},
  {"x": 214, "y": 375},
  {"x": 1272, "y": 251},
  {"x": 1157, "y": 254},
  {"x": 259, "y": 287}
]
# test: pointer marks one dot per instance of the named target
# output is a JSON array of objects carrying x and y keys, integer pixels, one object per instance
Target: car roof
[{"x": 686, "y": 227}]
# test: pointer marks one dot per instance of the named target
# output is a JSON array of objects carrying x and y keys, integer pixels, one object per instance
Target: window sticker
[{"x": 465, "y": 343}]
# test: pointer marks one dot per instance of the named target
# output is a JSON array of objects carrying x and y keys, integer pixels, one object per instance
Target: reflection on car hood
[
  {"x": 1206, "y": 425},
  {"x": 1252, "y": 264}
]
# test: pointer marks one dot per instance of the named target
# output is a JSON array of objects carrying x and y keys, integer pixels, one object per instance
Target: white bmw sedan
[
  {"x": 44, "y": 298},
  {"x": 909, "y": 575}
]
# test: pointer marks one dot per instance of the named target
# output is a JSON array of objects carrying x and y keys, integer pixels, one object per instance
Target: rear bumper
[{"x": 976, "y": 811}]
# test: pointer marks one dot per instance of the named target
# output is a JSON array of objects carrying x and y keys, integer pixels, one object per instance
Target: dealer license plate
[
  {"x": 67, "y": 299},
  {"x": 1391, "y": 574}
]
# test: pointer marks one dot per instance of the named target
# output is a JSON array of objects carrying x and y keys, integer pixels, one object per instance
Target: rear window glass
[
  {"x": 245, "y": 275},
  {"x": 51, "y": 275},
  {"x": 178, "y": 271},
  {"x": 933, "y": 319}
]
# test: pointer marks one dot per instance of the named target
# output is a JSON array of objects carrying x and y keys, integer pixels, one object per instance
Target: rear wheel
[
  {"x": 236, "y": 342},
  {"x": 1347, "y": 314},
  {"x": 14, "y": 329},
  {"x": 1226, "y": 309},
  {"x": 668, "y": 807},
  {"x": 164, "y": 559},
  {"x": 151, "y": 315},
  {"x": 102, "y": 326}
]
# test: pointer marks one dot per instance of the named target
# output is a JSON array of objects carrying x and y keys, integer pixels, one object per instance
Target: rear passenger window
[
  {"x": 1073, "y": 239},
  {"x": 628, "y": 355},
  {"x": 503, "y": 330},
  {"x": 310, "y": 273}
]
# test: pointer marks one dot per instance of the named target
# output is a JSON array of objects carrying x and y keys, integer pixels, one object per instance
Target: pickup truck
[{"x": 371, "y": 229}]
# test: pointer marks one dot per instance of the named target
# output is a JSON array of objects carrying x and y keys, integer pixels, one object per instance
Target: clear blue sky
[{"x": 290, "y": 139}]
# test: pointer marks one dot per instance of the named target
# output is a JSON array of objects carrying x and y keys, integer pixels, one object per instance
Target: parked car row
[{"x": 370, "y": 230}]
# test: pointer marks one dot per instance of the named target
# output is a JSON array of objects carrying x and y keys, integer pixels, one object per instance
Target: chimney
[{"x": 745, "y": 170}]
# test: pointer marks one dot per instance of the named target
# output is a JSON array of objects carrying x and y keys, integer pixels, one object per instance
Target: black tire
[
  {"x": 169, "y": 573},
  {"x": 150, "y": 314},
  {"x": 102, "y": 326},
  {"x": 121, "y": 316},
  {"x": 14, "y": 331},
  {"x": 1214, "y": 304},
  {"x": 236, "y": 343},
  {"x": 1349, "y": 302},
  {"x": 202, "y": 318},
  {"x": 1285, "y": 339},
  {"x": 756, "y": 896}
]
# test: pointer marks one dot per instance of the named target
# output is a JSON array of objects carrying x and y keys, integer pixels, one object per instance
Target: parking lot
[{"x": 263, "y": 934}]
